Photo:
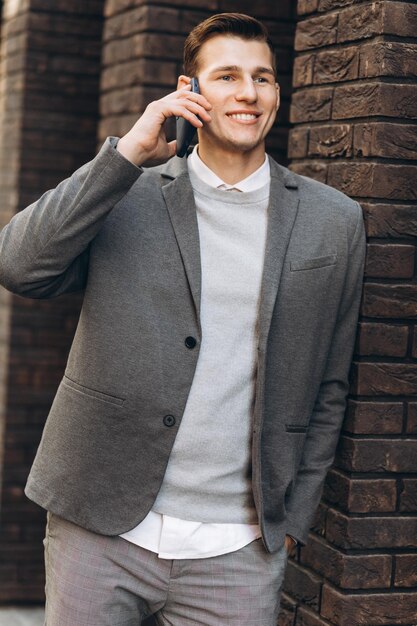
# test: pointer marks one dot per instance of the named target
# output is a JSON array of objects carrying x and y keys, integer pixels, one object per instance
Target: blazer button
[
  {"x": 169, "y": 420},
  {"x": 190, "y": 342}
]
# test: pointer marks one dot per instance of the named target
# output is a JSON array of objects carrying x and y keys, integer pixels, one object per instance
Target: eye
[
  {"x": 227, "y": 78},
  {"x": 261, "y": 79}
]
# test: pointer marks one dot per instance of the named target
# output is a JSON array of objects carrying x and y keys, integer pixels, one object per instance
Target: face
[{"x": 237, "y": 78}]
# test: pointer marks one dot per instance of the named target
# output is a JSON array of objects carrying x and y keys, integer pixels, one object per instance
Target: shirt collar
[{"x": 256, "y": 180}]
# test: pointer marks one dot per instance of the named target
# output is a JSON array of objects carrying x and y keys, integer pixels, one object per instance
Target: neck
[{"x": 231, "y": 167}]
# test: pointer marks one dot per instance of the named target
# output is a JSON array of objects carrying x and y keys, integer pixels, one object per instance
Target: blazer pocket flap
[
  {"x": 296, "y": 428},
  {"x": 93, "y": 393},
  {"x": 316, "y": 262}
]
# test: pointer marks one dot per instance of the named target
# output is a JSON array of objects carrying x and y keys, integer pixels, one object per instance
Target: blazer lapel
[
  {"x": 282, "y": 211},
  {"x": 179, "y": 198}
]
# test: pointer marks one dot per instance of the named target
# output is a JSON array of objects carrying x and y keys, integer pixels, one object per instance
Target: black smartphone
[{"x": 185, "y": 130}]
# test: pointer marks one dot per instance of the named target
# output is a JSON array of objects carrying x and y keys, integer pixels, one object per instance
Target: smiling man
[{"x": 186, "y": 449}]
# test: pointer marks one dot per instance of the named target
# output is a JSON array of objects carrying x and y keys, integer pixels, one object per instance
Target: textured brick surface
[
  {"x": 49, "y": 89},
  {"x": 386, "y": 379},
  {"x": 406, "y": 570},
  {"x": 360, "y": 496},
  {"x": 374, "y": 417},
  {"x": 382, "y": 609},
  {"x": 376, "y": 455},
  {"x": 366, "y": 533},
  {"x": 344, "y": 571},
  {"x": 390, "y": 300},
  {"x": 412, "y": 418},
  {"x": 354, "y": 110},
  {"x": 382, "y": 339},
  {"x": 390, "y": 261},
  {"x": 303, "y": 584}
]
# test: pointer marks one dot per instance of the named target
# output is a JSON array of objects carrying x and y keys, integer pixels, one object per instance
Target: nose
[{"x": 247, "y": 90}]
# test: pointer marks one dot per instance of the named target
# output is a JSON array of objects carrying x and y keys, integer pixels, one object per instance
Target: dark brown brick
[
  {"x": 297, "y": 143},
  {"x": 383, "y": 300},
  {"x": 383, "y": 609},
  {"x": 412, "y": 418},
  {"x": 347, "y": 572},
  {"x": 330, "y": 141},
  {"x": 312, "y": 169},
  {"x": 316, "y": 32},
  {"x": 336, "y": 65},
  {"x": 376, "y": 455},
  {"x": 305, "y": 617},
  {"x": 390, "y": 220},
  {"x": 382, "y": 339},
  {"x": 384, "y": 139},
  {"x": 370, "y": 99},
  {"x": 408, "y": 495},
  {"x": 138, "y": 72},
  {"x": 399, "y": 19},
  {"x": 302, "y": 584},
  {"x": 141, "y": 19},
  {"x": 386, "y": 58},
  {"x": 367, "y": 533},
  {"x": 307, "y": 6},
  {"x": 360, "y": 22},
  {"x": 263, "y": 8},
  {"x": 390, "y": 261},
  {"x": 386, "y": 379},
  {"x": 360, "y": 496},
  {"x": 414, "y": 348},
  {"x": 130, "y": 100},
  {"x": 285, "y": 618},
  {"x": 288, "y": 602},
  {"x": 319, "y": 521},
  {"x": 329, "y": 5},
  {"x": 168, "y": 47},
  {"x": 374, "y": 417},
  {"x": 375, "y": 180},
  {"x": 303, "y": 70},
  {"x": 405, "y": 570},
  {"x": 311, "y": 105}
]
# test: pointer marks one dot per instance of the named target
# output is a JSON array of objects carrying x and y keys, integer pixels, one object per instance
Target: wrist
[{"x": 130, "y": 151}]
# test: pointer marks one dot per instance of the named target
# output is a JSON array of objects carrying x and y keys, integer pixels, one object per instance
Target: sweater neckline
[{"x": 228, "y": 197}]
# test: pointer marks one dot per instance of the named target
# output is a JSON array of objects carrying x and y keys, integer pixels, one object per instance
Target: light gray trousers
[{"x": 94, "y": 580}]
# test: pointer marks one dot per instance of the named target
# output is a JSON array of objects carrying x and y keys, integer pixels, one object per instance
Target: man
[{"x": 187, "y": 445}]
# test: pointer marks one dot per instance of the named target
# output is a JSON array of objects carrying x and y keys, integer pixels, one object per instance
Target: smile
[{"x": 243, "y": 116}]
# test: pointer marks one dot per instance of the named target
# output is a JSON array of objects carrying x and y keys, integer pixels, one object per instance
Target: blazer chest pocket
[
  {"x": 93, "y": 393},
  {"x": 297, "y": 265},
  {"x": 296, "y": 428}
]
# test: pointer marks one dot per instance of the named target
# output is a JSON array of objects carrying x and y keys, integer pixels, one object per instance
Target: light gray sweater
[{"x": 208, "y": 478}]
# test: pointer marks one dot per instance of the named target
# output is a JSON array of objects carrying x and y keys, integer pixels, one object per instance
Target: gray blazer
[{"x": 129, "y": 238}]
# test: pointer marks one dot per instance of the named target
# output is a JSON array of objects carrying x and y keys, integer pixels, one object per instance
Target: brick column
[
  {"x": 50, "y": 65},
  {"x": 354, "y": 108}
]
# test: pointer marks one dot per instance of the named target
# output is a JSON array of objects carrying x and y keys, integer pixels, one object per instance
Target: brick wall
[
  {"x": 142, "y": 56},
  {"x": 354, "y": 109},
  {"x": 50, "y": 65}
]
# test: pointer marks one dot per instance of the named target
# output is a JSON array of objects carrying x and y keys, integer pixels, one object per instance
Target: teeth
[{"x": 242, "y": 116}]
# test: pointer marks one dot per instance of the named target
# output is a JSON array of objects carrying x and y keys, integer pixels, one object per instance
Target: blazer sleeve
[
  {"x": 328, "y": 413},
  {"x": 44, "y": 250}
]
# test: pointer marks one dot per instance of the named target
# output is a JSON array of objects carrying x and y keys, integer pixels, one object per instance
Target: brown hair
[{"x": 233, "y": 24}]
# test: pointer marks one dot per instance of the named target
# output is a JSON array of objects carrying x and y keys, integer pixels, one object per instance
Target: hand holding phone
[
  {"x": 185, "y": 130},
  {"x": 146, "y": 141}
]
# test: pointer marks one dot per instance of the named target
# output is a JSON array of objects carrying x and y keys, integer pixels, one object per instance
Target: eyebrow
[{"x": 236, "y": 68}]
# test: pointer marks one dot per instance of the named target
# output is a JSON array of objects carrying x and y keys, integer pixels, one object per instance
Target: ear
[
  {"x": 183, "y": 81},
  {"x": 278, "y": 96}
]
